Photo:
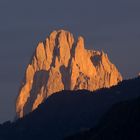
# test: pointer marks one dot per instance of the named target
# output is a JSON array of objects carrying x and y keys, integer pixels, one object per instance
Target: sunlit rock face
[{"x": 63, "y": 63}]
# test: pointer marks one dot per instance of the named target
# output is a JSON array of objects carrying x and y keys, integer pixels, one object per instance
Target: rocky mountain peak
[{"x": 62, "y": 63}]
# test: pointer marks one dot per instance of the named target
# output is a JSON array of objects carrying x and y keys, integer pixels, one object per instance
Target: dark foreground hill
[
  {"x": 122, "y": 122},
  {"x": 68, "y": 112}
]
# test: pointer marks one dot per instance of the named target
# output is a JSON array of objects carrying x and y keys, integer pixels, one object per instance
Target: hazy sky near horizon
[{"x": 109, "y": 25}]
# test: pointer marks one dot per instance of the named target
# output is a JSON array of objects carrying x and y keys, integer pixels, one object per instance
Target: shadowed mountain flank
[
  {"x": 38, "y": 88},
  {"x": 67, "y": 66},
  {"x": 68, "y": 112},
  {"x": 121, "y": 122}
]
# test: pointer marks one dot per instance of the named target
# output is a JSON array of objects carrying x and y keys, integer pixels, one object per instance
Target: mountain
[
  {"x": 62, "y": 63},
  {"x": 121, "y": 122},
  {"x": 68, "y": 112}
]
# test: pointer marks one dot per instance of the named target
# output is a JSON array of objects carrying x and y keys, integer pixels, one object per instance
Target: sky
[{"x": 109, "y": 25}]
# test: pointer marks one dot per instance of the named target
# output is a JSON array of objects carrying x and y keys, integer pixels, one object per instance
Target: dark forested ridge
[
  {"x": 121, "y": 122},
  {"x": 69, "y": 112}
]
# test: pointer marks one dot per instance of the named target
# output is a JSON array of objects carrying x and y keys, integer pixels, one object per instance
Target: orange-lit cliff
[{"x": 63, "y": 63}]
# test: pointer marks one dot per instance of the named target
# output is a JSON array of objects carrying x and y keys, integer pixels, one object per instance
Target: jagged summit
[{"x": 62, "y": 63}]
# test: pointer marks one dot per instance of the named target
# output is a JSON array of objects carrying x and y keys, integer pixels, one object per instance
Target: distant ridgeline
[
  {"x": 69, "y": 112},
  {"x": 62, "y": 63}
]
